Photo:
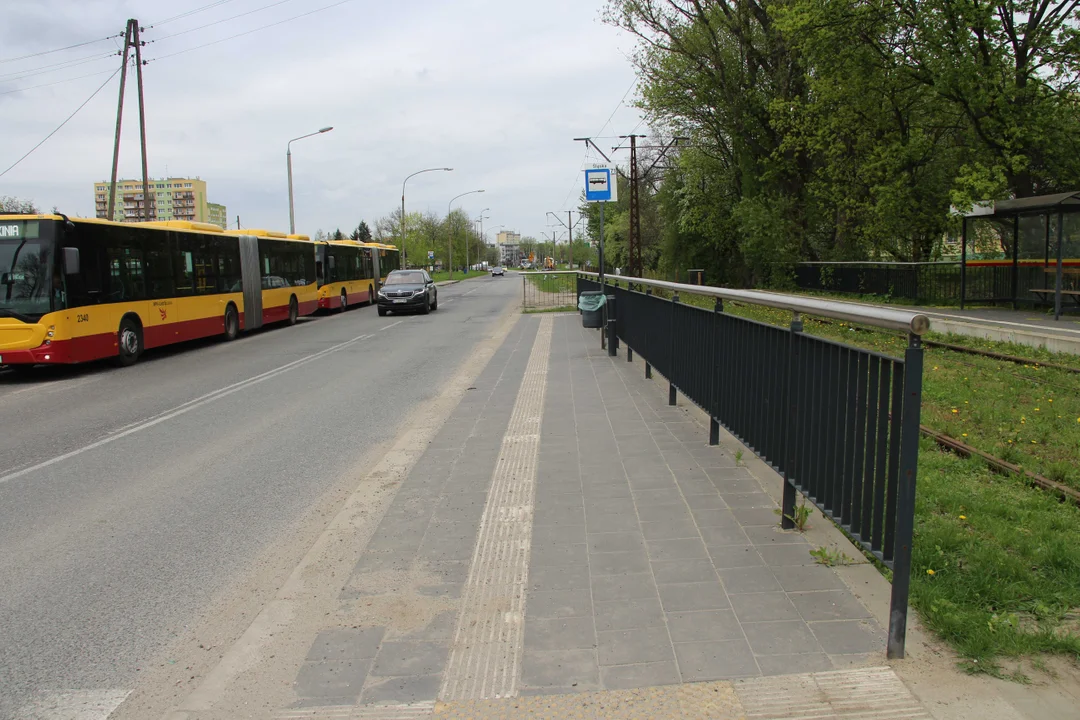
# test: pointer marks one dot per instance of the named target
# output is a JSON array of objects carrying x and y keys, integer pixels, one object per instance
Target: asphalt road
[{"x": 129, "y": 498}]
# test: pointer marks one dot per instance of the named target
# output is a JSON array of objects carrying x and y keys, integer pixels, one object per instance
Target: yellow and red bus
[
  {"x": 346, "y": 274},
  {"x": 384, "y": 259},
  {"x": 75, "y": 290}
]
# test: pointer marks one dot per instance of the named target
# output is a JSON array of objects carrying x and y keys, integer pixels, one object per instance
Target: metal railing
[
  {"x": 839, "y": 423},
  {"x": 930, "y": 282},
  {"x": 549, "y": 290}
]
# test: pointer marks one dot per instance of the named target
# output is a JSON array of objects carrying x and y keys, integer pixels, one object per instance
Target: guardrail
[
  {"x": 839, "y": 423},
  {"x": 548, "y": 290}
]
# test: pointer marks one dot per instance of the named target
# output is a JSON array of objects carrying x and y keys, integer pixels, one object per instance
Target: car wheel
[
  {"x": 294, "y": 310},
  {"x": 344, "y": 301},
  {"x": 232, "y": 323},
  {"x": 382, "y": 312},
  {"x": 435, "y": 305},
  {"x": 427, "y": 305},
  {"x": 129, "y": 342}
]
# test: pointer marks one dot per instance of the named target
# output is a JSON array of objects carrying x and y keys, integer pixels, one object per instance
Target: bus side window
[{"x": 158, "y": 256}]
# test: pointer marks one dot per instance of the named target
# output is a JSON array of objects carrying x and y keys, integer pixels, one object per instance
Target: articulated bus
[
  {"x": 350, "y": 272},
  {"x": 385, "y": 258},
  {"x": 74, "y": 290}
]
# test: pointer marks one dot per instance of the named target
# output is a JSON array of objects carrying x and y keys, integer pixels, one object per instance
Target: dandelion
[
  {"x": 964, "y": 434},
  {"x": 1034, "y": 442},
  {"x": 955, "y": 411},
  {"x": 1036, "y": 409},
  {"x": 930, "y": 572},
  {"x": 1050, "y": 400},
  {"x": 963, "y": 517}
]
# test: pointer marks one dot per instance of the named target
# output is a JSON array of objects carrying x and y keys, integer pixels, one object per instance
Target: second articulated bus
[{"x": 74, "y": 290}]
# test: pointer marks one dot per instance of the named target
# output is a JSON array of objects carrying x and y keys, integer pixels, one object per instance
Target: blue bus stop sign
[{"x": 600, "y": 184}]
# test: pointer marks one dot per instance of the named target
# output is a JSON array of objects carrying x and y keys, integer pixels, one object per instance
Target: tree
[
  {"x": 337, "y": 235},
  {"x": 14, "y": 205},
  {"x": 362, "y": 233}
]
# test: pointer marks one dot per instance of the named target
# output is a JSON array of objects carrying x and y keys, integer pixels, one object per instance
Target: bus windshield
[{"x": 26, "y": 270}]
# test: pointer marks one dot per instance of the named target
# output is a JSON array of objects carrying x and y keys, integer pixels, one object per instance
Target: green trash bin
[{"x": 591, "y": 303}]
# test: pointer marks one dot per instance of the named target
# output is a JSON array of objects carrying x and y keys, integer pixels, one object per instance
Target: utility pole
[
  {"x": 634, "y": 242},
  {"x": 119, "y": 120},
  {"x": 142, "y": 119}
]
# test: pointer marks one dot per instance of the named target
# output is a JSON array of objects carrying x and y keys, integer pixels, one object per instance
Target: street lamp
[
  {"x": 288, "y": 160},
  {"x": 403, "y": 207},
  {"x": 450, "y": 233},
  {"x": 481, "y": 219}
]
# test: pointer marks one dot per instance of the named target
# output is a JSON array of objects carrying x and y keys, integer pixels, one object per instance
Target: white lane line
[
  {"x": 387, "y": 327},
  {"x": 185, "y": 408},
  {"x": 486, "y": 653},
  {"x": 73, "y": 705},
  {"x": 370, "y": 712}
]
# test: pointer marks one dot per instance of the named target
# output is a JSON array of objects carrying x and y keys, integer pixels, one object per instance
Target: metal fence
[
  {"x": 839, "y": 423},
  {"x": 548, "y": 291},
  {"x": 935, "y": 283}
]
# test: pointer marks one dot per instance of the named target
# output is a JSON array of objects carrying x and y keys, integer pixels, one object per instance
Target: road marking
[
  {"x": 369, "y": 712},
  {"x": 185, "y": 408},
  {"x": 73, "y": 705},
  {"x": 486, "y": 652},
  {"x": 387, "y": 327}
]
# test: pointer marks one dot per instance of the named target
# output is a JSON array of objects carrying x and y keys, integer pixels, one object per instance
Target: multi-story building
[
  {"x": 509, "y": 254},
  {"x": 170, "y": 199},
  {"x": 217, "y": 215},
  {"x": 508, "y": 237}
]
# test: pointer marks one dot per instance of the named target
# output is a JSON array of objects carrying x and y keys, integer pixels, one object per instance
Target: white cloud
[{"x": 496, "y": 90}]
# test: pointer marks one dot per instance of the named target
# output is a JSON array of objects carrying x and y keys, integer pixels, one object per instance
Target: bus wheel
[
  {"x": 129, "y": 340},
  {"x": 294, "y": 310},
  {"x": 344, "y": 301},
  {"x": 232, "y": 322}
]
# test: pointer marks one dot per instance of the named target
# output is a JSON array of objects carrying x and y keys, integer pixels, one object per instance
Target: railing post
[
  {"x": 714, "y": 424},
  {"x": 612, "y": 347},
  {"x": 645, "y": 329},
  {"x": 787, "y": 511},
  {"x": 672, "y": 393},
  {"x": 905, "y": 496}
]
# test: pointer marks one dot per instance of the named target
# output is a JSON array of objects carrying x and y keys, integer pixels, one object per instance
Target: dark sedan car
[{"x": 408, "y": 291}]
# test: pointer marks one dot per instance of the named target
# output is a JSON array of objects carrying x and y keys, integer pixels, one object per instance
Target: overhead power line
[
  {"x": 189, "y": 13},
  {"x": 577, "y": 175},
  {"x": 56, "y": 82},
  {"x": 61, "y": 125},
  {"x": 56, "y": 50},
  {"x": 223, "y": 20},
  {"x": 253, "y": 30},
  {"x": 45, "y": 69}
]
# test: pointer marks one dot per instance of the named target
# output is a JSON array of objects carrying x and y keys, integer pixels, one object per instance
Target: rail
[
  {"x": 839, "y": 423},
  {"x": 892, "y": 319}
]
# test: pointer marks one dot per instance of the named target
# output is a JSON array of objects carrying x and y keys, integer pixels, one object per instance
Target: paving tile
[
  {"x": 781, "y": 555},
  {"x": 773, "y": 535},
  {"x": 577, "y": 633},
  {"x": 560, "y": 554},
  {"x": 692, "y": 485},
  {"x": 846, "y": 637},
  {"x": 714, "y": 517},
  {"x": 784, "y": 637},
  {"x": 571, "y": 515},
  {"x": 610, "y": 505},
  {"x": 332, "y": 678},
  {"x": 640, "y": 645},
  {"x": 794, "y": 664},
  {"x": 734, "y": 556},
  {"x": 669, "y": 530},
  {"x": 615, "y": 542},
  {"x": 678, "y": 597},
  {"x": 763, "y": 607},
  {"x": 558, "y": 604},
  {"x": 616, "y": 490},
  {"x": 708, "y": 625},
  {"x": 611, "y": 522},
  {"x": 828, "y": 605},
  {"x": 409, "y": 657},
  {"x": 683, "y": 571},
  {"x": 707, "y": 501},
  {"x": 402, "y": 690},
  {"x": 724, "y": 535},
  {"x": 543, "y": 578},
  {"x": 618, "y": 563},
  {"x": 676, "y": 512},
  {"x": 346, "y": 644},
  {"x": 809, "y": 577},
  {"x": 560, "y": 669},
  {"x": 627, "y": 677},
  {"x": 722, "y": 660},
  {"x": 685, "y": 549},
  {"x": 607, "y": 588},
  {"x": 628, "y": 614},
  {"x": 749, "y": 580},
  {"x": 668, "y": 496},
  {"x": 558, "y": 534},
  {"x": 748, "y": 500}
]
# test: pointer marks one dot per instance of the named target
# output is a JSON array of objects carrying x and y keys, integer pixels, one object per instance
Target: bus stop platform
[{"x": 568, "y": 545}]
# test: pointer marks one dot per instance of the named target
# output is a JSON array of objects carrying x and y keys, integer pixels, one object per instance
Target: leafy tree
[{"x": 9, "y": 204}]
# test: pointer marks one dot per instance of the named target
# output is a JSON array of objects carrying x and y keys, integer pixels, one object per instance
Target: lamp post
[
  {"x": 444, "y": 169},
  {"x": 288, "y": 161},
  {"x": 450, "y": 233}
]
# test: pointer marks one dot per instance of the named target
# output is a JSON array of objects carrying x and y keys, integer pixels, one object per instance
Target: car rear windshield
[{"x": 405, "y": 278}]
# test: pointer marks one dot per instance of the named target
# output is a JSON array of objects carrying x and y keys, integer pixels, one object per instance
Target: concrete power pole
[
  {"x": 119, "y": 121},
  {"x": 142, "y": 124}
]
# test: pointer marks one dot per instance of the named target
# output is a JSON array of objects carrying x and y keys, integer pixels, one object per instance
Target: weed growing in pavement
[
  {"x": 801, "y": 518},
  {"x": 831, "y": 558},
  {"x": 738, "y": 457}
]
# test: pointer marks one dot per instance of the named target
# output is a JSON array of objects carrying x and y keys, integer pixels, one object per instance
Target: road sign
[
  {"x": 601, "y": 184},
  {"x": 430, "y": 254}
]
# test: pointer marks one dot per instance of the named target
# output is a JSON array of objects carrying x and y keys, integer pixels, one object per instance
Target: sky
[{"x": 495, "y": 89}]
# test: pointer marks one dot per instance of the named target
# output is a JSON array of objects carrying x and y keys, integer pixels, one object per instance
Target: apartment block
[{"x": 170, "y": 199}]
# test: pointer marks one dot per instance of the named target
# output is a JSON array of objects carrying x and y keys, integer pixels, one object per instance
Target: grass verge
[{"x": 443, "y": 275}]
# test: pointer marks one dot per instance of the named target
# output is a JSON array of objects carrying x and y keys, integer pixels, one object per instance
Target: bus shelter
[{"x": 1024, "y": 252}]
